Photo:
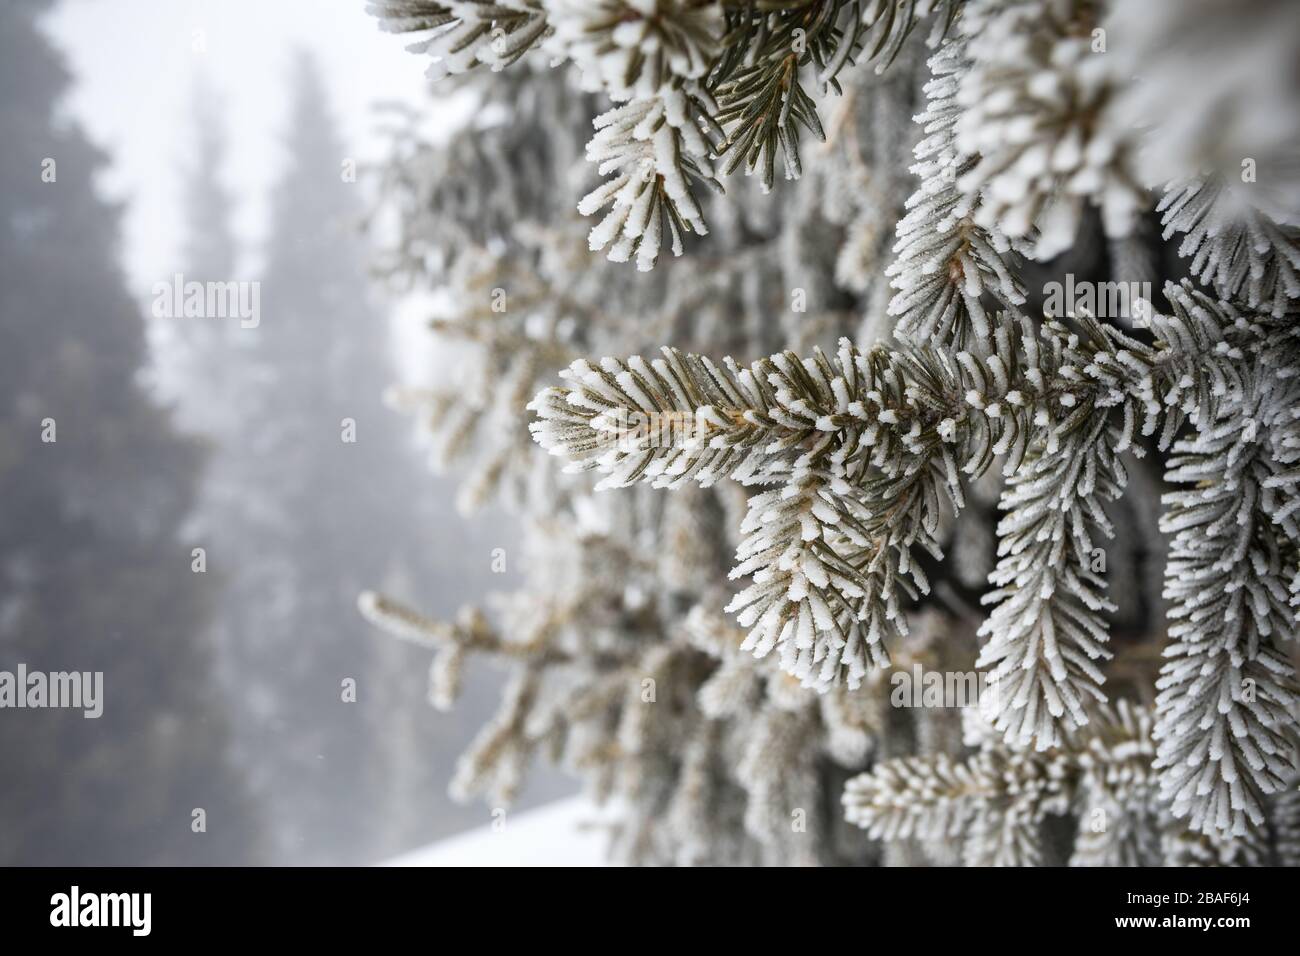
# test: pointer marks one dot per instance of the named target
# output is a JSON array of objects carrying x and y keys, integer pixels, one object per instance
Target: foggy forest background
[{"x": 224, "y": 687}]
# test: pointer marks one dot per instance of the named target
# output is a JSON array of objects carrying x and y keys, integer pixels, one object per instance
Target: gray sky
[{"x": 135, "y": 62}]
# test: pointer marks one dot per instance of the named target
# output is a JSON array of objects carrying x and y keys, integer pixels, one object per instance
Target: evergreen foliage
[{"x": 846, "y": 472}]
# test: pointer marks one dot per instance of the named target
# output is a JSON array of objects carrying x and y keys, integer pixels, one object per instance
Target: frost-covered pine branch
[
  {"x": 772, "y": 57},
  {"x": 846, "y": 504},
  {"x": 1047, "y": 632},
  {"x": 692, "y": 81},
  {"x": 997, "y": 801},
  {"x": 462, "y": 34},
  {"x": 651, "y": 59},
  {"x": 866, "y": 450},
  {"x": 1226, "y": 159},
  {"x": 1033, "y": 114},
  {"x": 1227, "y": 703},
  {"x": 1232, "y": 247},
  {"x": 947, "y": 263}
]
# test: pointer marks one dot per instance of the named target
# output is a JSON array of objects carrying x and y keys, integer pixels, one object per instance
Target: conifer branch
[
  {"x": 462, "y": 34},
  {"x": 946, "y": 262},
  {"x": 1227, "y": 694},
  {"x": 1238, "y": 251},
  {"x": 866, "y": 451},
  {"x": 997, "y": 801},
  {"x": 839, "y": 478},
  {"x": 692, "y": 80},
  {"x": 1048, "y": 630}
]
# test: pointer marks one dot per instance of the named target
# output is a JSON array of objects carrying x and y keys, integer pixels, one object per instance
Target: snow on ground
[{"x": 565, "y": 833}]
